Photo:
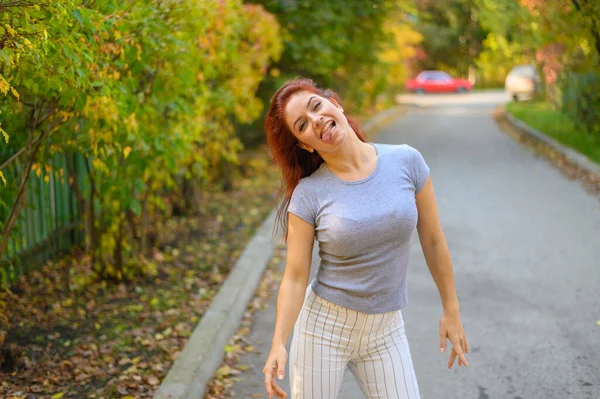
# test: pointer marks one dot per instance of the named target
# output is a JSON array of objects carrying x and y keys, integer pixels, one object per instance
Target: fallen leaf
[
  {"x": 152, "y": 380},
  {"x": 223, "y": 371}
]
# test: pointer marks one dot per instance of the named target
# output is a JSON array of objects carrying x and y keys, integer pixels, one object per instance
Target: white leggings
[{"x": 329, "y": 337}]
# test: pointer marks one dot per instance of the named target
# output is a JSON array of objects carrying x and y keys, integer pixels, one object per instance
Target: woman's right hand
[{"x": 275, "y": 366}]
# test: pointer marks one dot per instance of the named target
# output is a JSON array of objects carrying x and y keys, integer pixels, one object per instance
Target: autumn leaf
[
  {"x": 14, "y": 93},
  {"x": 4, "y": 86},
  {"x": 4, "y": 134},
  {"x": 152, "y": 380},
  {"x": 223, "y": 372}
]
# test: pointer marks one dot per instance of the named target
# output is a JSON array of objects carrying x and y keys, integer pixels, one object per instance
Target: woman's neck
[{"x": 354, "y": 156}]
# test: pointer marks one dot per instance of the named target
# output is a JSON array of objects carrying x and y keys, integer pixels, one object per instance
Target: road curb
[
  {"x": 204, "y": 351},
  {"x": 575, "y": 157}
]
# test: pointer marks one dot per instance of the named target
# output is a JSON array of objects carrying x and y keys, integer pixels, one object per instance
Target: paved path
[{"x": 525, "y": 242}]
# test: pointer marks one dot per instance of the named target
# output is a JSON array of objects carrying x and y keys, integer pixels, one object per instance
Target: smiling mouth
[{"x": 328, "y": 130}]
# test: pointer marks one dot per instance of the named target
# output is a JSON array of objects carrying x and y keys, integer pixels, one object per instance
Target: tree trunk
[
  {"x": 145, "y": 222},
  {"x": 32, "y": 148},
  {"x": 132, "y": 231},
  {"x": 118, "y": 252}
]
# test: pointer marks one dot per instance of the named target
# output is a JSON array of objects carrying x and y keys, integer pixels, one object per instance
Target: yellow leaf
[
  {"x": 10, "y": 30},
  {"x": 4, "y": 86},
  {"x": 4, "y": 134},
  {"x": 14, "y": 92},
  {"x": 47, "y": 178},
  {"x": 223, "y": 372},
  {"x": 58, "y": 395},
  {"x": 128, "y": 397},
  {"x": 126, "y": 151},
  {"x": 2, "y": 177}
]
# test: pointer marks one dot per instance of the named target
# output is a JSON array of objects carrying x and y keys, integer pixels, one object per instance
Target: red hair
[{"x": 294, "y": 162}]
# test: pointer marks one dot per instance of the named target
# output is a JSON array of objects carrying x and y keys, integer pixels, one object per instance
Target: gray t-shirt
[{"x": 364, "y": 229}]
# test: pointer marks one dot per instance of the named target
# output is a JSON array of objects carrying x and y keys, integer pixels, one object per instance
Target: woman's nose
[{"x": 318, "y": 121}]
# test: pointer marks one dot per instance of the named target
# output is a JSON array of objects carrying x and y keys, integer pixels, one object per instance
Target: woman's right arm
[{"x": 290, "y": 298}]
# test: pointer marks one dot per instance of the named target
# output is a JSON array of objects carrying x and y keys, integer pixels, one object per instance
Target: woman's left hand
[{"x": 452, "y": 328}]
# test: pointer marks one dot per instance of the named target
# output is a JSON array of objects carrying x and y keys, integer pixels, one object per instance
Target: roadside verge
[
  {"x": 579, "y": 160},
  {"x": 204, "y": 351}
]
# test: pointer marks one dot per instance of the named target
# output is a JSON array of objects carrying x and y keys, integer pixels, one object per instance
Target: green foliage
[
  {"x": 452, "y": 35},
  {"x": 498, "y": 57},
  {"x": 581, "y": 100},
  {"x": 336, "y": 43},
  {"x": 147, "y": 91}
]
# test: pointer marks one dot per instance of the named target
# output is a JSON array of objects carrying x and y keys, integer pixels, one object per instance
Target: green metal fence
[{"x": 50, "y": 222}]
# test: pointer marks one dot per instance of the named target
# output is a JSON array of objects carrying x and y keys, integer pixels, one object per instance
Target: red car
[{"x": 437, "y": 82}]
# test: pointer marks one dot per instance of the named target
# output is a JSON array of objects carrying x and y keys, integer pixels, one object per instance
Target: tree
[{"x": 336, "y": 43}]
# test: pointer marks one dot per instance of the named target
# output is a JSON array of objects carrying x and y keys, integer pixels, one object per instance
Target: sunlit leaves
[{"x": 146, "y": 90}]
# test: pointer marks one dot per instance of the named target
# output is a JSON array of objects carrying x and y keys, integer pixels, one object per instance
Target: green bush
[
  {"x": 147, "y": 91},
  {"x": 581, "y": 100}
]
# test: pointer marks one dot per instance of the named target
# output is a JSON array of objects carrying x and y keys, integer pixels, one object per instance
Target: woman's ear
[{"x": 334, "y": 102}]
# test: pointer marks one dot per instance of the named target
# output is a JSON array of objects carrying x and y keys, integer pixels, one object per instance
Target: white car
[{"x": 522, "y": 82}]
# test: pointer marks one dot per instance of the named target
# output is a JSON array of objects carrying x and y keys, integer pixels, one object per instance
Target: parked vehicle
[
  {"x": 437, "y": 82},
  {"x": 522, "y": 82}
]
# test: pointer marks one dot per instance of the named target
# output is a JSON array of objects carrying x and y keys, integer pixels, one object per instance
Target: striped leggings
[{"x": 329, "y": 337}]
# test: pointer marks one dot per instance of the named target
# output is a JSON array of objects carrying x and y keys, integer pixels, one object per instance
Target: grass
[{"x": 542, "y": 117}]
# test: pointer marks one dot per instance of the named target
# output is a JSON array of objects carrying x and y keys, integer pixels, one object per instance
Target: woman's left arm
[{"x": 439, "y": 263}]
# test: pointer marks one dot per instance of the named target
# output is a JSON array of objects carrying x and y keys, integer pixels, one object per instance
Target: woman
[{"x": 362, "y": 202}]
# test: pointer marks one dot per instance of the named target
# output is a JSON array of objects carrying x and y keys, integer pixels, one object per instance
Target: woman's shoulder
[
  {"x": 393, "y": 147},
  {"x": 398, "y": 152}
]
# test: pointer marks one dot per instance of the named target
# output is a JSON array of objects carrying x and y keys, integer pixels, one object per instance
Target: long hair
[{"x": 294, "y": 162}]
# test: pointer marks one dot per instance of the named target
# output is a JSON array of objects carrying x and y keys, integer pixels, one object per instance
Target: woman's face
[{"x": 317, "y": 122}]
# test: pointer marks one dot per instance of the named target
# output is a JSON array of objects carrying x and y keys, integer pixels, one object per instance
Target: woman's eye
[
  {"x": 317, "y": 105},
  {"x": 302, "y": 126}
]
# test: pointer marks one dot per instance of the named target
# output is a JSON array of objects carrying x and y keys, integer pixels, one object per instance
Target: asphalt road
[{"x": 525, "y": 243}]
